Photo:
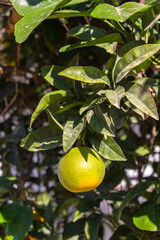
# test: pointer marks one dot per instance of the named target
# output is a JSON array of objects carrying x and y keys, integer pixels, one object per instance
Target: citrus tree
[{"x": 100, "y": 60}]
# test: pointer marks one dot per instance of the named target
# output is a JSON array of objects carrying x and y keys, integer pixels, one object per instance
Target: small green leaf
[
  {"x": 92, "y": 226},
  {"x": 71, "y": 131},
  {"x": 98, "y": 122},
  {"x": 110, "y": 38},
  {"x": 133, "y": 58},
  {"x": 134, "y": 192},
  {"x": 114, "y": 96},
  {"x": 120, "y": 14},
  {"x": 13, "y": 220},
  {"x": 41, "y": 139},
  {"x": 142, "y": 99},
  {"x": 46, "y": 101},
  {"x": 148, "y": 218},
  {"x": 86, "y": 74},
  {"x": 107, "y": 148}
]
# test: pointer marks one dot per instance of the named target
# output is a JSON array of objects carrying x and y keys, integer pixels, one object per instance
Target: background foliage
[{"x": 87, "y": 75}]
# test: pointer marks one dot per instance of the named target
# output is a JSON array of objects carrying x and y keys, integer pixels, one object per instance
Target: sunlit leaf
[
  {"x": 107, "y": 148},
  {"x": 114, "y": 96},
  {"x": 133, "y": 58},
  {"x": 71, "y": 131},
  {"x": 110, "y": 38},
  {"x": 86, "y": 74},
  {"x": 148, "y": 218},
  {"x": 120, "y": 13},
  {"x": 142, "y": 99},
  {"x": 41, "y": 139},
  {"x": 46, "y": 101},
  {"x": 32, "y": 19}
]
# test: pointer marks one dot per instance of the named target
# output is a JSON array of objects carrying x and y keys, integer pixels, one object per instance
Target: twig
[
  {"x": 154, "y": 134},
  {"x": 12, "y": 101}
]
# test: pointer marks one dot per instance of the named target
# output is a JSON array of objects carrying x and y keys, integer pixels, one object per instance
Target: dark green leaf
[
  {"x": 71, "y": 131},
  {"x": 46, "y": 101},
  {"x": 120, "y": 14},
  {"x": 6, "y": 183},
  {"x": 151, "y": 16},
  {"x": 86, "y": 74},
  {"x": 41, "y": 139},
  {"x": 98, "y": 122},
  {"x": 92, "y": 226},
  {"x": 50, "y": 74},
  {"x": 117, "y": 117},
  {"x": 81, "y": 209},
  {"x": 88, "y": 102},
  {"x": 148, "y": 218},
  {"x": 12, "y": 217},
  {"x": 107, "y": 148},
  {"x": 73, "y": 229},
  {"x": 134, "y": 192},
  {"x": 142, "y": 99},
  {"x": 133, "y": 58}
]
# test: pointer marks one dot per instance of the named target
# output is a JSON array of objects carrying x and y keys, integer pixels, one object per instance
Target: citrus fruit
[{"x": 81, "y": 170}]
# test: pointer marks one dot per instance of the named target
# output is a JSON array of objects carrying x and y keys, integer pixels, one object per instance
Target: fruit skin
[{"x": 81, "y": 170}]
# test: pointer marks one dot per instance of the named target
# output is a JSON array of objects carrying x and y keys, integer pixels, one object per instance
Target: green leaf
[
  {"x": 88, "y": 102},
  {"x": 117, "y": 117},
  {"x": 32, "y": 19},
  {"x": 86, "y": 74},
  {"x": 114, "y": 96},
  {"x": 41, "y": 139},
  {"x": 43, "y": 199},
  {"x": 6, "y": 183},
  {"x": 98, "y": 122},
  {"x": 73, "y": 229},
  {"x": 13, "y": 220},
  {"x": 142, "y": 99},
  {"x": 92, "y": 226},
  {"x": 120, "y": 14},
  {"x": 107, "y": 148},
  {"x": 110, "y": 38},
  {"x": 148, "y": 218},
  {"x": 87, "y": 32},
  {"x": 133, "y": 108},
  {"x": 134, "y": 192},
  {"x": 46, "y": 101},
  {"x": 71, "y": 131},
  {"x": 133, "y": 58},
  {"x": 65, "y": 13},
  {"x": 50, "y": 74}
]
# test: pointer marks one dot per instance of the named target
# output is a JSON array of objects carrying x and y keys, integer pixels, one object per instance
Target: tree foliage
[{"x": 79, "y": 73}]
